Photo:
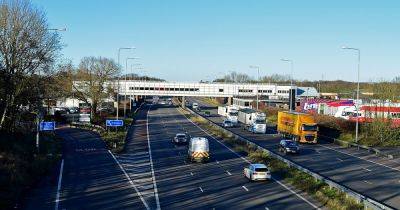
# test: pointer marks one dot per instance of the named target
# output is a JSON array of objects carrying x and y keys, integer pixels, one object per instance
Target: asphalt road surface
[
  {"x": 178, "y": 184},
  {"x": 91, "y": 178},
  {"x": 373, "y": 176}
]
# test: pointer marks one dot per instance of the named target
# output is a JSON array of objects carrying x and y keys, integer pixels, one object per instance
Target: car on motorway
[
  {"x": 288, "y": 146},
  {"x": 257, "y": 171},
  {"x": 227, "y": 124},
  {"x": 198, "y": 149},
  {"x": 195, "y": 106},
  {"x": 180, "y": 138}
]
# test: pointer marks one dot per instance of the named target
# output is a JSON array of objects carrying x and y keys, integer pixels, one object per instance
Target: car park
[
  {"x": 180, "y": 138},
  {"x": 288, "y": 146},
  {"x": 258, "y": 171}
]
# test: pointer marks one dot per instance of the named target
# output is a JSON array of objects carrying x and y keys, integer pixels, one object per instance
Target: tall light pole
[
  {"x": 119, "y": 54},
  {"x": 291, "y": 81},
  {"x": 126, "y": 72},
  {"x": 258, "y": 80},
  {"x": 358, "y": 85},
  {"x": 134, "y": 64}
]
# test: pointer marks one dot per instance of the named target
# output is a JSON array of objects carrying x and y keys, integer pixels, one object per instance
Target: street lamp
[
  {"x": 119, "y": 53},
  {"x": 291, "y": 80},
  {"x": 358, "y": 84},
  {"x": 126, "y": 72},
  {"x": 258, "y": 80}
]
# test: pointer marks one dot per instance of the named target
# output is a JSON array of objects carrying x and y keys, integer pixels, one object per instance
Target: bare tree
[
  {"x": 94, "y": 83},
  {"x": 26, "y": 48}
]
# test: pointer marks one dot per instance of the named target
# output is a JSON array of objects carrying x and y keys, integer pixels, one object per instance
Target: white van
[{"x": 198, "y": 150}]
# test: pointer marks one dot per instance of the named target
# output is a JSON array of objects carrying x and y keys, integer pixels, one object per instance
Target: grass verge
[
  {"x": 21, "y": 166},
  {"x": 115, "y": 140},
  {"x": 330, "y": 197}
]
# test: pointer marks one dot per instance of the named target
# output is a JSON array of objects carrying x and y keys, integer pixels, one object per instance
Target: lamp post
[
  {"x": 134, "y": 64},
  {"x": 119, "y": 54},
  {"x": 358, "y": 85},
  {"x": 291, "y": 80},
  {"x": 126, "y": 72},
  {"x": 258, "y": 80}
]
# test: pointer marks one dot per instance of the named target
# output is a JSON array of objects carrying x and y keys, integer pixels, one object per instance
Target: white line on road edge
[
  {"x": 339, "y": 159},
  {"x": 360, "y": 158},
  {"x": 59, "y": 184},
  {"x": 280, "y": 183},
  {"x": 151, "y": 162},
  {"x": 201, "y": 189},
  {"x": 245, "y": 188},
  {"x": 228, "y": 172},
  {"x": 130, "y": 181}
]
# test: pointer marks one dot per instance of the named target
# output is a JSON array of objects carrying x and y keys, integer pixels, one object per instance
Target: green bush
[{"x": 115, "y": 140}]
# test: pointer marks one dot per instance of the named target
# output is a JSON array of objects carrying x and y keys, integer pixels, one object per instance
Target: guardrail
[{"x": 367, "y": 201}]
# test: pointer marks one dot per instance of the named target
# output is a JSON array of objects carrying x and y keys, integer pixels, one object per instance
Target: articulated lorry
[
  {"x": 254, "y": 121},
  {"x": 301, "y": 127},
  {"x": 230, "y": 112}
]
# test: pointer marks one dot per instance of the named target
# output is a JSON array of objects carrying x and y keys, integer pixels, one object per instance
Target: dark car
[
  {"x": 180, "y": 138},
  {"x": 288, "y": 146}
]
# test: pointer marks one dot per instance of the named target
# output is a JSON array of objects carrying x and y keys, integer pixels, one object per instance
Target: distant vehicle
[
  {"x": 254, "y": 121},
  {"x": 300, "y": 127},
  {"x": 195, "y": 106},
  {"x": 198, "y": 150},
  {"x": 73, "y": 110},
  {"x": 256, "y": 172},
  {"x": 288, "y": 146},
  {"x": 162, "y": 102},
  {"x": 227, "y": 124},
  {"x": 230, "y": 112},
  {"x": 180, "y": 138}
]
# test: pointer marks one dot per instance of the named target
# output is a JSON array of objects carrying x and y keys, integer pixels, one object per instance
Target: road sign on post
[
  {"x": 47, "y": 126},
  {"x": 114, "y": 123}
]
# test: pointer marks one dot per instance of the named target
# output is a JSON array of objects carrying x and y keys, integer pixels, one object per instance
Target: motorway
[
  {"x": 359, "y": 170},
  {"x": 90, "y": 178},
  {"x": 218, "y": 184}
]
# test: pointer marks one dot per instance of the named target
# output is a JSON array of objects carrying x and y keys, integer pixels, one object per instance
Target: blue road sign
[
  {"x": 114, "y": 123},
  {"x": 47, "y": 126}
]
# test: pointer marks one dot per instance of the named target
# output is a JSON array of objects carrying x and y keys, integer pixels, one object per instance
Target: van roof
[
  {"x": 259, "y": 165},
  {"x": 247, "y": 110},
  {"x": 199, "y": 139}
]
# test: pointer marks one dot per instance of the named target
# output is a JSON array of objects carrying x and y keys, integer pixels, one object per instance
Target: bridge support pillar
[
  {"x": 183, "y": 102},
  {"x": 230, "y": 101}
]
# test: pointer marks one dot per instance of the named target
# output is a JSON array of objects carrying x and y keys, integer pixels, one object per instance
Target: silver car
[{"x": 180, "y": 138}]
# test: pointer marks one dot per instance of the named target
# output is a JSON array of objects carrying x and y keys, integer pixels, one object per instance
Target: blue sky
[{"x": 192, "y": 40}]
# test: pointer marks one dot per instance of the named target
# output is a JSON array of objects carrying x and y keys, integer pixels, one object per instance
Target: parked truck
[
  {"x": 301, "y": 127},
  {"x": 230, "y": 112},
  {"x": 254, "y": 121}
]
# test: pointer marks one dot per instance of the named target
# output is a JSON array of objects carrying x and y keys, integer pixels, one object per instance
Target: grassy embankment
[
  {"x": 21, "y": 166},
  {"x": 330, "y": 197}
]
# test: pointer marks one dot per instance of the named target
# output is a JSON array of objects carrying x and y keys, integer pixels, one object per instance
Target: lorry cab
[
  {"x": 301, "y": 127},
  {"x": 198, "y": 150}
]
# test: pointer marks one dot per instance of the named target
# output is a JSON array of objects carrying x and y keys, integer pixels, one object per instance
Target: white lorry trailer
[
  {"x": 230, "y": 112},
  {"x": 254, "y": 121}
]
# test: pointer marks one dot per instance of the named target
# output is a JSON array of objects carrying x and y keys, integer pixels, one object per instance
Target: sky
[{"x": 193, "y": 40}]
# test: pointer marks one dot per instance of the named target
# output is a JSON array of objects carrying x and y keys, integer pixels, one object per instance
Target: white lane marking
[
  {"x": 339, "y": 159},
  {"x": 367, "y": 169},
  {"x": 361, "y": 158},
  {"x": 266, "y": 208},
  {"x": 244, "y": 159},
  {"x": 59, "y": 184},
  {"x": 367, "y": 182},
  {"x": 245, "y": 188},
  {"x": 201, "y": 189},
  {"x": 217, "y": 162},
  {"x": 151, "y": 162},
  {"x": 130, "y": 180},
  {"x": 229, "y": 173},
  {"x": 191, "y": 173},
  {"x": 179, "y": 153}
]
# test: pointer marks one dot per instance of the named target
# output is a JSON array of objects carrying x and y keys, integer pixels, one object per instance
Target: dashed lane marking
[
  {"x": 245, "y": 188},
  {"x": 229, "y": 173},
  {"x": 201, "y": 189},
  {"x": 367, "y": 169}
]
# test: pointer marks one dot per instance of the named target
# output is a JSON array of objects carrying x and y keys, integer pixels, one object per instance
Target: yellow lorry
[{"x": 299, "y": 126}]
